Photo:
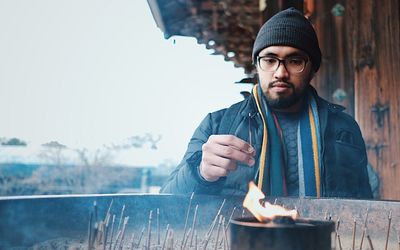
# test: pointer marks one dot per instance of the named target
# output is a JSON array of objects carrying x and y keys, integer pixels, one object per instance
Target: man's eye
[
  {"x": 270, "y": 60},
  {"x": 295, "y": 61}
]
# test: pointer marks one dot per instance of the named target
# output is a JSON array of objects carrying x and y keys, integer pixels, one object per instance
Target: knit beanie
[{"x": 289, "y": 27}]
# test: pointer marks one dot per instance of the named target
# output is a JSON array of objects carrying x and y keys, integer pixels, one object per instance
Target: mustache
[{"x": 273, "y": 83}]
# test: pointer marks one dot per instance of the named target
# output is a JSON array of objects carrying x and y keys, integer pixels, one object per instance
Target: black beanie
[{"x": 289, "y": 27}]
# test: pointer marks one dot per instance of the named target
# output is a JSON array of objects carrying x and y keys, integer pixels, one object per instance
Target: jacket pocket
[{"x": 343, "y": 177}]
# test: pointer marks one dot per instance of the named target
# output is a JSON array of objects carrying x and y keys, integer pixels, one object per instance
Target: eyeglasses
[{"x": 293, "y": 64}]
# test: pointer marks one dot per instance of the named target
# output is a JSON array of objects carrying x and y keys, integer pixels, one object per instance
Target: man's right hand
[{"x": 221, "y": 154}]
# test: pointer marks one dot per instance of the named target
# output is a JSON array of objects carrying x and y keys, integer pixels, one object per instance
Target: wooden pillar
[
  {"x": 335, "y": 80},
  {"x": 374, "y": 37}
]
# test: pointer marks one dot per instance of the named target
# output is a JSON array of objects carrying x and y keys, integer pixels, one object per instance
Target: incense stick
[
  {"x": 158, "y": 227},
  {"x": 354, "y": 234},
  {"x": 211, "y": 228},
  {"x": 363, "y": 232},
  {"x": 398, "y": 238},
  {"x": 340, "y": 242},
  {"x": 90, "y": 231},
  {"x": 117, "y": 239},
  {"x": 187, "y": 217},
  {"x": 218, "y": 230},
  {"x": 112, "y": 231},
  {"x": 194, "y": 224},
  {"x": 230, "y": 218},
  {"x": 149, "y": 230},
  {"x": 95, "y": 211},
  {"x": 388, "y": 229},
  {"x": 166, "y": 236},
  {"x": 225, "y": 237},
  {"x": 186, "y": 238},
  {"x": 337, "y": 228},
  {"x": 140, "y": 237},
  {"x": 195, "y": 240},
  {"x": 123, "y": 231},
  {"x": 132, "y": 241},
  {"x": 109, "y": 209},
  {"x": 120, "y": 218},
  {"x": 106, "y": 223},
  {"x": 369, "y": 240},
  {"x": 170, "y": 241}
]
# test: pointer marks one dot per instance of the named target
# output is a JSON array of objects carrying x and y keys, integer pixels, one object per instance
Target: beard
[{"x": 282, "y": 102}]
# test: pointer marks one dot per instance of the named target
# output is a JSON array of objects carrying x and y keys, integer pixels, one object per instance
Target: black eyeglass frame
[{"x": 283, "y": 61}]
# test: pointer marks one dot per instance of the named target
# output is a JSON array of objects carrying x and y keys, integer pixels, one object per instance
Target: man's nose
[{"x": 281, "y": 72}]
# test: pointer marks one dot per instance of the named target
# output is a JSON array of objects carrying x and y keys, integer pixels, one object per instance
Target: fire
[{"x": 266, "y": 211}]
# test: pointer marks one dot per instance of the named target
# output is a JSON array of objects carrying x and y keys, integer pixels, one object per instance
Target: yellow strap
[
  {"x": 315, "y": 151},
  {"x": 264, "y": 141}
]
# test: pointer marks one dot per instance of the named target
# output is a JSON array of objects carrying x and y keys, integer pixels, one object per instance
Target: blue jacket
[{"x": 344, "y": 157}]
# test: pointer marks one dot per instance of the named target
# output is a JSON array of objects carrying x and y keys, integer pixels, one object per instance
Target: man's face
[{"x": 284, "y": 87}]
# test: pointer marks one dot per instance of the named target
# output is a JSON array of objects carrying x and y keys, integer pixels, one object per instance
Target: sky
[{"x": 89, "y": 73}]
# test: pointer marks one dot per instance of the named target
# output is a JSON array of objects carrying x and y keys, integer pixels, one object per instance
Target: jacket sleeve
[{"x": 186, "y": 178}]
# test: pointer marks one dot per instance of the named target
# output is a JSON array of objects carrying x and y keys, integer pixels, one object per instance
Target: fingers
[
  {"x": 221, "y": 154},
  {"x": 211, "y": 172},
  {"x": 232, "y": 141},
  {"x": 218, "y": 161}
]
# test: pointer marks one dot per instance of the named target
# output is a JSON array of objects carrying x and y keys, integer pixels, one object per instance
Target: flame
[{"x": 267, "y": 211}]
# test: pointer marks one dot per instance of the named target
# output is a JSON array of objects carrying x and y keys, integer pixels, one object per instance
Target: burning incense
[
  {"x": 187, "y": 217},
  {"x": 388, "y": 229}
]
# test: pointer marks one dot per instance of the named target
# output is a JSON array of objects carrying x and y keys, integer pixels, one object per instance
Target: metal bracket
[
  {"x": 380, "y": 111},
  {"x": 377, "y": 148}
]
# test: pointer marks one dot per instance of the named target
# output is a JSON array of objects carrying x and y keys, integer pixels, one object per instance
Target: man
[{"x": 284, "y": 136}]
